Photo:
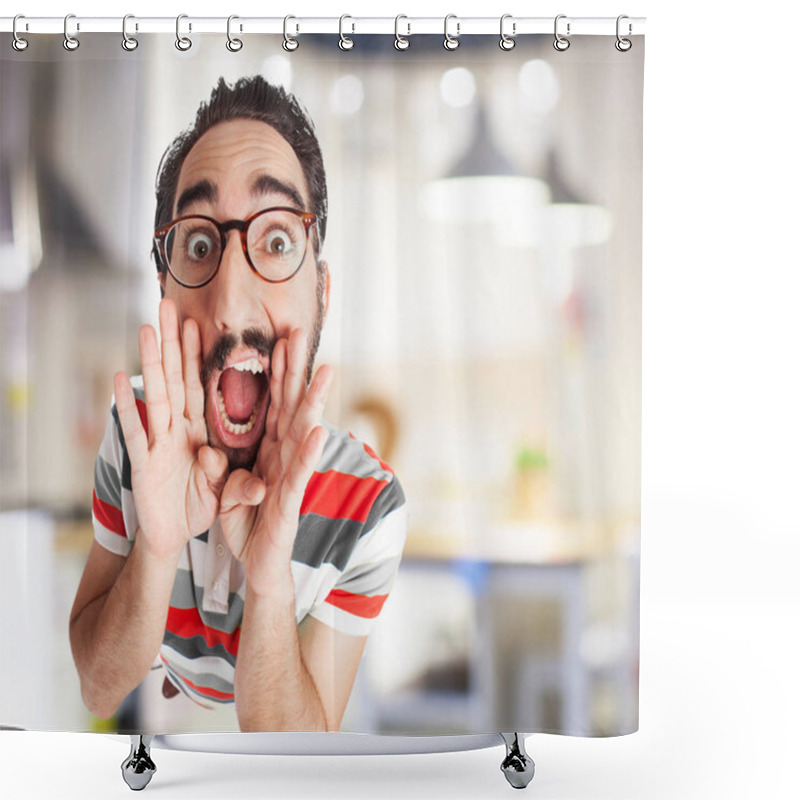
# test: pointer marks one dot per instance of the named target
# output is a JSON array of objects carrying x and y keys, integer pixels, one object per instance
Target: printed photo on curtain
[{"x": 320, "y": 383}]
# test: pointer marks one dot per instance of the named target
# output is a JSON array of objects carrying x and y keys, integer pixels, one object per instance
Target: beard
[{"x": 264, "y": 344}]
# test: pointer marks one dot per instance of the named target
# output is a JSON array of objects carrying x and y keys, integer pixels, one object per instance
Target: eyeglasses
[{"x": 274, "y": 242}]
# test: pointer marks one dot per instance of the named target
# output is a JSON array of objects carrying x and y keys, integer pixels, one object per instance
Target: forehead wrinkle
[{"x": 245, "y": 148}]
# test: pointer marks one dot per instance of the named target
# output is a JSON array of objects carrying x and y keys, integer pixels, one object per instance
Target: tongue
[{"x": 240, "y": 392}]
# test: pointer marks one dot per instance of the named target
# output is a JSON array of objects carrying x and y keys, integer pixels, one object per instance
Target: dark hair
[{"x": 250, "y": 98}]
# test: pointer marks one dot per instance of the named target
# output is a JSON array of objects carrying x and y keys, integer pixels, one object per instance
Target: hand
[
  {"x": 176, "y": 477},
  {"x": 260, "y": 510}
]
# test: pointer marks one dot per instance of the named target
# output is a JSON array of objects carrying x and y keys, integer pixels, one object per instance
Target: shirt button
[
  {"x": 215, "y": 585},
  {"x": 220, "y": 550}
]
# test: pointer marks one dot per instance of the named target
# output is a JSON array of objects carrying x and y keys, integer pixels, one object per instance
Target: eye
[
  {"x": 277, "y": 242},
  {"x": 198, "y": 246}
]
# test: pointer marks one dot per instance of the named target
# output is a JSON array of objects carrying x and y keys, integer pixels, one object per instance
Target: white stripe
[
  {"x": 110, "y": 540},
  {"x": 313, "y": 584},
  {"x": 385, "y": 540}
]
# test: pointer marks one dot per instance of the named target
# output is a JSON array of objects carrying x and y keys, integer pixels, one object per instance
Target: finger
[
  {"x": 158, "y": 411},
  {"x": 294, "y": 382},
  {"x": 241, "y": 489},
  {"x": 214, "y": 466},
  {"x": 132, "y": 430},
  {"x": 300, "y": 472},
  {"x": 277, "y": 370},
  {"x": 309, "y": 413},
  {"x": 171, "y": 357},
  {"x": 195, "y": 394}
]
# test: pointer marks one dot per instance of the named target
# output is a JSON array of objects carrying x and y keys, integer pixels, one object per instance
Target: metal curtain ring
[
  {"x": 289, "y": 44},
  {"x": 623, "y": 45},
  {"x": 400, "y": 42},
  {"x": 345, "y": 42},
  {"x": 451, "y": 42},
  {"x": 18, "y": 43},
  {"x": 129, "y": 43},
  {"x": 561, "y": 43},
  {"x": 182, "y": 42},
  {"x": 233, "y": 44},
  {"x": 70, "y": 42},
  {"x": 507, "y": 42}
]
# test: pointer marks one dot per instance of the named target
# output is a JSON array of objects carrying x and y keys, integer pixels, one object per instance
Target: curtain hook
[
  {"x": 561, "y": 43},
  {"x": 233, "y": 44},
  {"x": 183, "y": 43},
  {"x": 70, "y": 42},
  {"x": 400, "y": 42},
  {"x": 451, "y": 42},
  {"x": 623, "y": 45},
  {"x": 507, "y": 42},
  {"x": 345, "y": 42},
  {"x": 290, "y": 44},
  {"x": 18, "y": 43},
  {"x": 129, "y": 43}
]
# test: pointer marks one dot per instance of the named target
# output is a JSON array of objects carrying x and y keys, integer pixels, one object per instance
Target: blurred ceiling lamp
[
  {"x": 483, "y": 185},
  {"x": 568, "y": 221}
]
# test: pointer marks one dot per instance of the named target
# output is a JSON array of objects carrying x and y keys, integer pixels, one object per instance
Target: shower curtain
[{"x": 464, "y": 549}]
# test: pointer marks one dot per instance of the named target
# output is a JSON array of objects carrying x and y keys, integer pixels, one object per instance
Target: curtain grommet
[
  {"x": 507, "y": 42},
  {"x": 183, "y": 43},
  {"x": 70, "y": 43}
]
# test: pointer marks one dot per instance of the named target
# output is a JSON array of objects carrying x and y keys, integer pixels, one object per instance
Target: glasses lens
[
  {"x": 276, "y": 243},
  {"x": 193, "y": 250}
]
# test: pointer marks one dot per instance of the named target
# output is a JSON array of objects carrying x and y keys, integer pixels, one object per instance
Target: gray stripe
[
  {"x": 186, "y": 594},
  {"x": 349, "y": 456},
  {"x": 323, "y": 540},
  {"x": 390, "y": 498},
  {"x": 106, "y": 483},
  {"x": 196, "y": 646},
  {"x": 371, "y": 579}
]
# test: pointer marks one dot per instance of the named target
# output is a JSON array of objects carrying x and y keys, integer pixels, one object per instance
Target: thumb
[
  {"x": 214, "y": 466},
  {"x": 242, "y": 489}
]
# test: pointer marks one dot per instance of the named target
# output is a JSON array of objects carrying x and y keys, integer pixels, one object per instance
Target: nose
[{"x": 235, "y": 290}]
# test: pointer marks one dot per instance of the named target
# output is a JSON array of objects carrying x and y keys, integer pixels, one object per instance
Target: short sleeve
[
  {"x": 109, "y": 497},
  {"x": 356, "y": 600}
]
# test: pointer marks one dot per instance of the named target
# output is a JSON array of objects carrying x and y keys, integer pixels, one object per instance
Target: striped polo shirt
[{"x": 349, "y": 543}]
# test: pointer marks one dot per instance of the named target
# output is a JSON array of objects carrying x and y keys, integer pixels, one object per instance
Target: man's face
[{"x": 240, "y": 315}]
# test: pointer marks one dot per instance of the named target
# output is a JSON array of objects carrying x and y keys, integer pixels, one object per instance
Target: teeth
[
  {"x": 251, "y": 365},
  {"x": 233, "y": 427}
]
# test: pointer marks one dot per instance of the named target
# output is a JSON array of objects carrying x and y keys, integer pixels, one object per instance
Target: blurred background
[{"x": 484, "y": 242}]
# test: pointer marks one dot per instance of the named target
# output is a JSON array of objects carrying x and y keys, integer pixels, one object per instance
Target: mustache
[{"x": 251, "y": 337}]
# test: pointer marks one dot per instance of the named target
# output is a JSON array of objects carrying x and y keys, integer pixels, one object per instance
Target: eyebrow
[
  {"x": 201, "y": 191},
  {"x": 268, "y": 184},
  {"x": 205, "y": 191}
]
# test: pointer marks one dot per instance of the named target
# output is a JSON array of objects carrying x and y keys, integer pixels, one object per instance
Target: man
[{"x": 238, "y": 539}]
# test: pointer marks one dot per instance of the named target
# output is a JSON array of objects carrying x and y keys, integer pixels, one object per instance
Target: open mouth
[{"x": 240, "y": 396}]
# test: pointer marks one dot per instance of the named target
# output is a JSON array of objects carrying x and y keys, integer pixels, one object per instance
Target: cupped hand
[
  {"x": 260, "y": 510},
  {"x": 177, "y": 478}
]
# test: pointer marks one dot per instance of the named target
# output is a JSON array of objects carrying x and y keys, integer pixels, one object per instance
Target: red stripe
[
  {"x": 337, "y": 495},
  {"x": 108, "y": 516},
  {"x": 370, "y": 452},
  {"x": 208, "y": 691},
  {"x": 359, "y": 604},
  {"x": 142, "y": 409},
  {"x": 187, "y": 622}
]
